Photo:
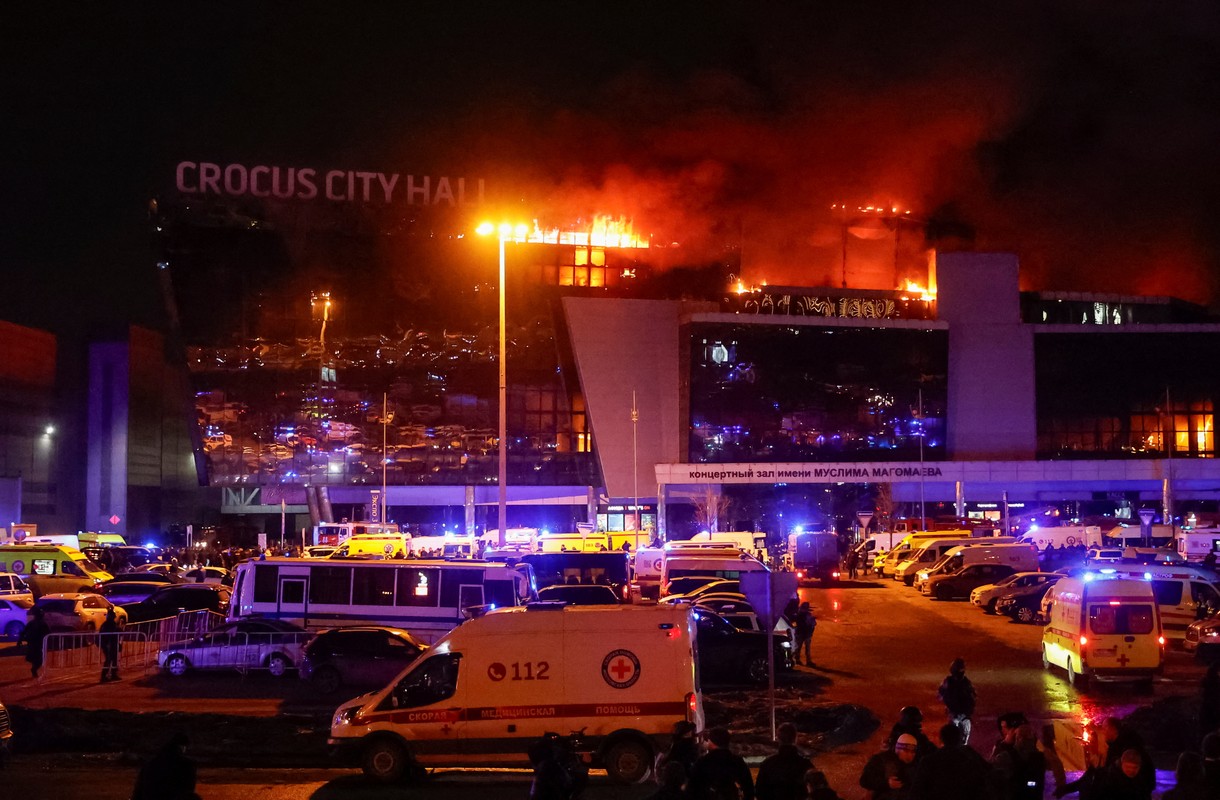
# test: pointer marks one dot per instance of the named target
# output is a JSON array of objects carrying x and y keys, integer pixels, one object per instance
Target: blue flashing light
[
  {"x": 1147, "y": 576},
  {"x": 1087, "y": 577},
  {"x": 799, "y": 529},
  {"x": 1033, "y": 527},
  {"x": 1108, "y": 571},
  {"x": 150, "y": 544},
  {"x": 546, "y": 532},
  {"x": 705, "y": 533}
]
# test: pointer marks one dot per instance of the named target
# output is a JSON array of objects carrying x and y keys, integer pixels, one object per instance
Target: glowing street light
[{"x": 504, "y": 232}]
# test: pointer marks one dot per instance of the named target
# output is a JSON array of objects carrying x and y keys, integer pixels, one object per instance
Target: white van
[
  {"x": 724, "y": 564},
  {"x": 1194, "y": 545},
  {"x": 1021, "y": 557},
  {"x": 493, "y": 686},
  {"x": 1063, "y": 536},
  {"x": 886, "y": 563},
  {"x": 1184, "y": 592},
  {"x": 934, "y": 550},
  {"x": 1103, "y": 628}
]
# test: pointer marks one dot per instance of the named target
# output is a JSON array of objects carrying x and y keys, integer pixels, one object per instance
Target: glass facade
[
  {"x": 1127, "y": 396},
  {"x": 808, "y": 393}
]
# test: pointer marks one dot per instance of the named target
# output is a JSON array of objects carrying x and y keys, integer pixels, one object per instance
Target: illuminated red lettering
[
  {"x": 181, "y": 177},
  {"x": 254, "y": 186}
]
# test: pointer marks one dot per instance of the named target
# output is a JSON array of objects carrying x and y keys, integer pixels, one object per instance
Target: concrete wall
[
  {"x": 620, "y": 346},
  {"x": 991, "y": 412}
]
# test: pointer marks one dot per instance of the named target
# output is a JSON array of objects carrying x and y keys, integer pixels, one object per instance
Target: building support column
[
  {"x": 662, "y": 525},
  {"x": 591, "y": 507},
  {"x": 468, "y": 510},
  {"x": 959, "y": 499}
]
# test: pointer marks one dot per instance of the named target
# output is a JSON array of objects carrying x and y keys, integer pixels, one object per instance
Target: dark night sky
[{"x": 1082, "y": 136}]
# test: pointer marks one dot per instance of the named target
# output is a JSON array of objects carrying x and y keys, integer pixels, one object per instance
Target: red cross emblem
[
  {"x": 621, "y": 669},
  {"x": 1123, "y": 660}
]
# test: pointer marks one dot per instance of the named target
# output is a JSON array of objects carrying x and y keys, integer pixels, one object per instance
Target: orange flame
[
  {"x": 604, "y": 231},
  {"x": 924, "y": 293}
]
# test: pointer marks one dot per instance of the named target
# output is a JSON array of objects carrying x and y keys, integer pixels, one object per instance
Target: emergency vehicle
[
  {"x": 1103, "y": 627},
  {"x": 490, "y": 688},
  {"x": 1184, "y": 592}
]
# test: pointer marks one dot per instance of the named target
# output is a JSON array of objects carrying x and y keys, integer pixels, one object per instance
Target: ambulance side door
[
  {"x": 426, "y": 703},
  {"x": 515, "y": 694}
]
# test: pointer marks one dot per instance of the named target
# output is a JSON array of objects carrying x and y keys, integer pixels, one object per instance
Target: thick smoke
[{"x": 1071, "y": 137}]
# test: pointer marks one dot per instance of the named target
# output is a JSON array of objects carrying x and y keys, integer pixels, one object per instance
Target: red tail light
[
  {"x": 1084, "y": 640},
  {"x": 692, "y": 705},
  {"x": 1160, "y": 640}
]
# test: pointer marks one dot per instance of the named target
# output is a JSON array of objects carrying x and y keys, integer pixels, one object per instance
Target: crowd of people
[{"x": 911, "y": 766}]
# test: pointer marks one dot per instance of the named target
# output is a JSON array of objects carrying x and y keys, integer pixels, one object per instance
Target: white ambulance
[
  {"x": 493, "y": 686},
  {"x": 1104, "y": 628}
]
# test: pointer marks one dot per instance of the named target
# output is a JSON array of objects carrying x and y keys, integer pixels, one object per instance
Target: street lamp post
[
  {"x": 635, "y": 467},
  {"x": 505, "y": 232}
]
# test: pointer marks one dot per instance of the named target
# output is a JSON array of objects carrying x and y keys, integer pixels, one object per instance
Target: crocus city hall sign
[{"x": 307, "y": 183}]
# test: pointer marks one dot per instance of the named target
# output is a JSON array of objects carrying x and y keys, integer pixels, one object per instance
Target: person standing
[
  {"x": 889, "y": 775},
  {"x": 168, "y": 775},
  {"x": 1123, "y": 779},
  {"x": 957, "y": 693},
  {"x": 108, "y": 641},
  {"x": 683, "y": 749},
  {"x": 804, "y": 624},
  {"x": 720, "y": 774},
  {"x": 34, "y": 635},
  {"x": 781, "y": 776},
  {"x": 954, "y": 772},
  {"x": 1020, "y": 769},
  {"x": 1209, "y": 700}
]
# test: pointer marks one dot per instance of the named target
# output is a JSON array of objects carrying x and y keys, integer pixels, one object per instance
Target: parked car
[
  {"x": 14, "y": 613},
  {"x": 985, "y": 596},
  {"x": 959, "y": 585},
  {"x": 13, "y": 585},
  {"x": 1203, "y": 637},
  {"x": 580, "y": 595},
  {"x": 739, "y": 613},
  {"x": 1025, "y": 604},
  {"x": 267, "y": 644},
  {"x": 169, "y": 600},
  {"x": 732, "y": 655},
  {"x": 319, "y": 551},
  {"x": 170, "y": 573},
  {"x": 77, "y": 611},
  {"x": 1103, "y": 555},
  {"x": 689, "y": 583},
  {"x": 208, "y": 575},
  {"x": 366, "y": 657},
  {"x": 124, "y": 592}
]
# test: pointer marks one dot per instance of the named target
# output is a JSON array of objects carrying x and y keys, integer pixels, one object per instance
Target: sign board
[
  {"x": 864, "y": 518},
  {"x": 262, "y": 541},
  {"x": 1146, "y": 517},
  {"x": 768, "y": 592}
]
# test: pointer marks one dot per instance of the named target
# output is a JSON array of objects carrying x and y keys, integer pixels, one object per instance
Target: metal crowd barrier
[{"x": 67, "y": 656}]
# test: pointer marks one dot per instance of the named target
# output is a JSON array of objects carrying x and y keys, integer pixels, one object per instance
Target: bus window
[
  {"x": 418, "y": 587},
  {"x": 372, "y": 587},
  {"x": 500, "y": 593},
  {"x": 330, "y": 586},
  {"x": 454, "y": 580},
  {"x": 266, "y": 583}
]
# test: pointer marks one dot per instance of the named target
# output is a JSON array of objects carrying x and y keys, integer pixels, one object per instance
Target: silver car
[{"x": 246, "y": 644}]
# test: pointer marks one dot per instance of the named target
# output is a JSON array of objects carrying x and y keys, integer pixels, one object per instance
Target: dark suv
[
  {"x": 172, "y": 598},
  {"x": 735, "y": 656},
  {"x": 369, "y": 657},
  {"x": 959, "y": 585}
]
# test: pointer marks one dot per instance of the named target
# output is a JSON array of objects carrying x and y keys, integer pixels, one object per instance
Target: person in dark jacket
[
  {"x": 781, "y": 776},
  {"x": 1119, "y": 739},
  {"x": 957, "y": 693},
  {"x": 1020, "y": 770},
  {"x": 168, "y": 775},
  {"x": 672, "y": 780},
  {"x": 954, "y": 772},
  {"x": 1209, "y": 700},
  {"x": 803, "y": 624},
  {"x": 1124, "y": 778},
  {"x": 1189, "y": 779},
  {"x": 682, "y": 748},
  {"x": 108, "y": 641},
  {"x": 1211, "y": 763},
  {"x": 33, "y": 636},
  {"x": 719, "y": 774},
  {"x": 889, "y": 775},
  {"x": 910, "y": 720},
  {"x": 817, "y": 787}
]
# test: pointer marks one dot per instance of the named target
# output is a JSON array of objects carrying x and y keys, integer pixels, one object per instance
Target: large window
[
  {"x": 266, "y": 583},
  {"x": 330, "y": 585},
  {"x": 811, "y": 393},
  {"x": 1134, "y": 395},
  {"x": 373, "y": 586},
  {"x": 418, "y": 587}
]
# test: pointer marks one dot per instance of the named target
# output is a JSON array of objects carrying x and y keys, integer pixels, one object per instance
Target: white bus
[
  {"x": 426, "y": 598},
  {"x": 333, "y": 534}
]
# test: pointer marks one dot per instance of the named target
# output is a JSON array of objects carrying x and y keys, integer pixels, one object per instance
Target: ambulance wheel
[
  {"x": 386, "y": 760},
  {"x": 1075, "y": 678},
  {"x": 1046, "y": 662},
  {"x": 628, "y": 761}
]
